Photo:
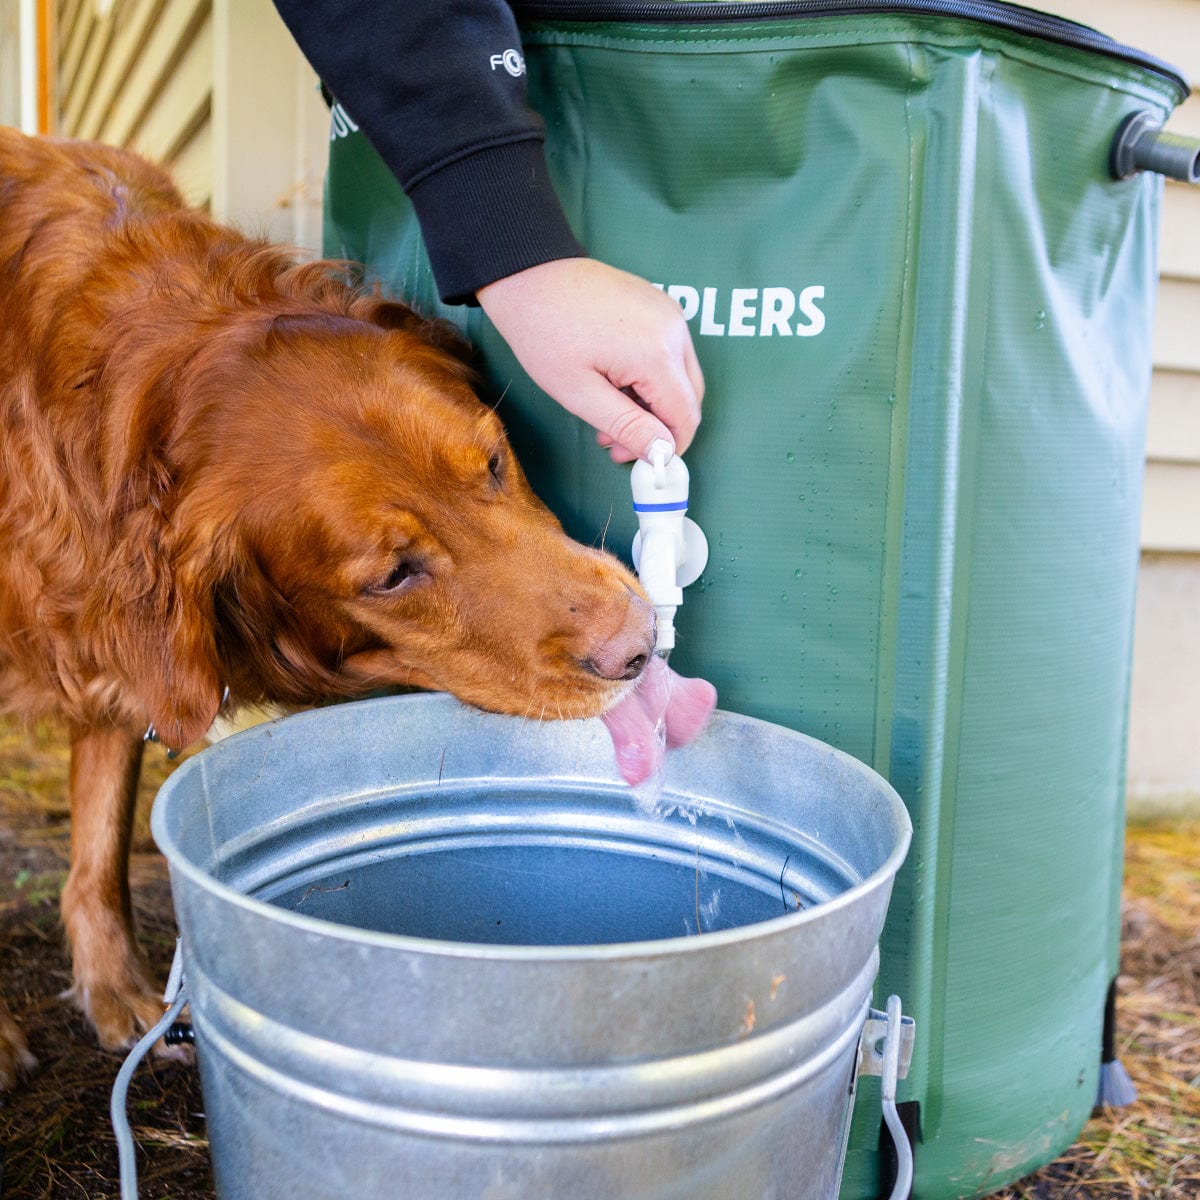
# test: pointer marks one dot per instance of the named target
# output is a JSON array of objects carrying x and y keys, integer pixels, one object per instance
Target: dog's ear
[
  {"x": 161, "y": 629},
  {"x": 263, "y": 631},
  {"x": 153, "y": 605},
  {"x": 392, "y": 315},
  {"x": 177, "y": 677}
]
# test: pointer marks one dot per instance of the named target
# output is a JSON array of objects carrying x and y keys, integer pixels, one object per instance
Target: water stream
[{"x": 647, "y": 795}]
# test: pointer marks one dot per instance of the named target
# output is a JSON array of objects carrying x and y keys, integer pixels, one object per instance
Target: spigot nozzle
[{"x": 667, "y": 542}]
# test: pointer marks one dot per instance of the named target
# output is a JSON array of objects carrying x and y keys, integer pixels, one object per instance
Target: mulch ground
[{"x": 55, "y": 1135}]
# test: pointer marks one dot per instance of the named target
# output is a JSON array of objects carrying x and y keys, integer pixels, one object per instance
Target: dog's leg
[
  {"x": 112, "y": 979},
  {"x": 15, "y": 1059}
]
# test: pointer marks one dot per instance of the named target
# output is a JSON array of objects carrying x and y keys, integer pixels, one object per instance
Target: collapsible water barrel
[{"x": 922, "y": 300}]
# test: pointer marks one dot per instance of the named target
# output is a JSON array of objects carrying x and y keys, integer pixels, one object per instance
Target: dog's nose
[
  {"x": 629, "y": 670},
  {"x": 623, "y": 655}
]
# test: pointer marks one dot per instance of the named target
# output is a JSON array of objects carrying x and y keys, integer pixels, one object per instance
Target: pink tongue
[{"x": 660, "y": 693}]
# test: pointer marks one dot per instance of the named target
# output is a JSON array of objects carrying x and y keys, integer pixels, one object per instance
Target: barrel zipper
[{"x": 1025, "y": 21}]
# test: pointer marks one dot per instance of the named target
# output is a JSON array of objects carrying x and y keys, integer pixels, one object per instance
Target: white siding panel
[
  {"x": 192, "y": 167},
  {"x": 182, "y": 104},
  {"x": 136, "y": 20},
  {"x": 270, "y": 127},
  {"x": 68, "y": 11},
  {"x": 1164, "y": 751},
  {"x": 10, "y": 64},
  {"x": 1171, "y": 507},
  {"x": 73, "y": 30},
  {"x": 1179, "y": 251},
  {"x": 1186, "y": 118},
  {"x": 1166, "y": 28},
  {"x": 1177, "y": 326},
  {"x": 141, "y": 76},
  {"x": 79, "y": 82},
  {"x": 179, "y": 23},
  {"x": 1174, "y": 431}
]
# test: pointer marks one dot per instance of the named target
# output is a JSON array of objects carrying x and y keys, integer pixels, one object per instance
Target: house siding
[
  {"x": 139, "y": 73},
  {"x": 1164, "y": 722}
]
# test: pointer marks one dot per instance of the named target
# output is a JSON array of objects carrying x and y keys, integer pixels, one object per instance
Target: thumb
[{"x": 621, "y": 421}]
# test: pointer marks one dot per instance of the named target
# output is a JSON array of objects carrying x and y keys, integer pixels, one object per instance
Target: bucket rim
[{"x": 882, "y": 876}]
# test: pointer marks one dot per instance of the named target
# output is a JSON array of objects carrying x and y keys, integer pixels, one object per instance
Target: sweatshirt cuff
[{"x": 490, "y": 214}]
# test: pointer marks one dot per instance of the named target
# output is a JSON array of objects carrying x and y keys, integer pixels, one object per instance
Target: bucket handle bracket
[{"x": 872, "y": 1051}]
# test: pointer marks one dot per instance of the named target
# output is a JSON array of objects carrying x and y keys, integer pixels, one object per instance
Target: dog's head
[{"x": 332, "y": 510}]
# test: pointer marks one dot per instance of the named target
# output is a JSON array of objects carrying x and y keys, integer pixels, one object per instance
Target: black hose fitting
[
  {"x": 1141, "y": 145},
  {"x": 180, "y": 1034}
]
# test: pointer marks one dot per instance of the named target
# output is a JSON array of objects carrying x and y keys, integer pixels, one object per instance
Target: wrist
[{"x": 489, "y": 215}]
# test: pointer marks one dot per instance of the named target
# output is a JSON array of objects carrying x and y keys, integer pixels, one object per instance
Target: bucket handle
[
  {"x": 175, "y": 997},
  {"x": 891, "y": 1063}
]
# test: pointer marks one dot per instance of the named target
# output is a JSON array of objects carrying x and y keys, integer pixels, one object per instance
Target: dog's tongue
[{"x": 661, "y": 700}]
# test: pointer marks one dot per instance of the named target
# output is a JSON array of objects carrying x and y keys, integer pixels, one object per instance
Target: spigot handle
[{"x": 658, "y": 454}]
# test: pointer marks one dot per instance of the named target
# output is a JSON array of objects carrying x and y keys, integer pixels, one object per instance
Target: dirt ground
[{"x": 57, "y": 1143}]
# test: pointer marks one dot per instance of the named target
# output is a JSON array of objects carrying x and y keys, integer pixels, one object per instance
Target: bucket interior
[
  {"x": 414, "y": 816},
  {"x": 535, "y": 867}
]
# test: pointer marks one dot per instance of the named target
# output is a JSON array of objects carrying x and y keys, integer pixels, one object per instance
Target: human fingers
[
  {"x": 584, "y": 330},
  {"x": 624, "y": 427},
  {"x": 665, "y": 384},
  {"x": 691, "y": 364},
  {"x": 617, "y": 453}
]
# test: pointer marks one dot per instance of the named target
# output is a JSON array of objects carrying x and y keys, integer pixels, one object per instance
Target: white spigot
[{"x": 670, "y": 550}]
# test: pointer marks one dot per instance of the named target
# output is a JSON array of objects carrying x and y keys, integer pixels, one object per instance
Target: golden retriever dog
[{"x": 224, "y": 473}]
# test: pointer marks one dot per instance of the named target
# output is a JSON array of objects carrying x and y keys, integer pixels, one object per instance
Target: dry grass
[
  {"x": 58, "y": 1143},
  {"x": 1151, "y": 1150},
  {"x": 54, "y": 1131}
]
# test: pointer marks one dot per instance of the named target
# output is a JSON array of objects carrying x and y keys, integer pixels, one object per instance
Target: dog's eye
[
  {"x": 403, "y": 572},
  {"x": 496, "y": 467}
]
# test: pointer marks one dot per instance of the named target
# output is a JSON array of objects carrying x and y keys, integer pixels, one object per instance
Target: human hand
[{"x": 584, "y": 331}]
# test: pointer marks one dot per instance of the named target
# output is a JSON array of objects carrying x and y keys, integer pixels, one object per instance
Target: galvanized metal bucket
[{"x": 436, "y": 954}]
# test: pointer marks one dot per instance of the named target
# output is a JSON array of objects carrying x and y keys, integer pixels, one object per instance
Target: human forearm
[{"x": 438, "y": 88}]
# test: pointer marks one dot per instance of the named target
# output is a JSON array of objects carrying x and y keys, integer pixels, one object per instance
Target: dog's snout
[
  {"x": 623, "y": 655},
  {"x": 607, "y": 670}
]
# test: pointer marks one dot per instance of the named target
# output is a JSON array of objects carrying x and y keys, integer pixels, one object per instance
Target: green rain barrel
[{"x": 923, "y": 307}]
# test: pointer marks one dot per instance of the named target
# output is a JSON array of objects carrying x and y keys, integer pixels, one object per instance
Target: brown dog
[{"x": 220, "y": 469}]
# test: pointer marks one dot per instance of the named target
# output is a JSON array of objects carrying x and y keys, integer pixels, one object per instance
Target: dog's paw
[
  {"x": 120, "y": 1016},
  {"x": 15, "y": 1060}
]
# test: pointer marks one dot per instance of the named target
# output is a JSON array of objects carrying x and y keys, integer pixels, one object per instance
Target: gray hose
[{"x": 176, "y": 995}]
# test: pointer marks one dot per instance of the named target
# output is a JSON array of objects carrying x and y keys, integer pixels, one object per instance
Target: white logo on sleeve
[
  {"x": 511, "y": 61},
  {"x": 340, "y": 124}
]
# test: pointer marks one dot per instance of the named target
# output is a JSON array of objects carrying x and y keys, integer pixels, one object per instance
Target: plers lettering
[{"x": 751, "y": 312}]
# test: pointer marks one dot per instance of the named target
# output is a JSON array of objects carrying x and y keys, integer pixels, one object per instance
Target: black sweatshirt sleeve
[{"x": 432, "y": 84}]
